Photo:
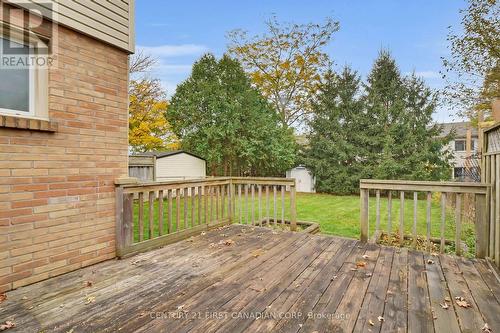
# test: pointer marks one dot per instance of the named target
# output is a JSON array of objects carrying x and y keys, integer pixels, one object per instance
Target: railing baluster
[
  {"x": 128, "y": 219},
  {"x": 178, "y": 209},
  {"x": 205, "y": 203},
  {"x": 428, "y": 220},
  {"x": 496, "y": 221},
  {"x": 293, "y": 209},
  {"x": 170, "y": 210},
  {"x": 415, "y": 208},
  {"x": 401, "y": 218},
  {"x": 267, "y": 205},
  {"x": 246, "y": 203},
  {"x": 458, "y": 221},
  {"x": 275, "y": 216},
  {"x": 193, "y": 198},
  {"x": 253, "y": 206},
  {"x": 222, "y": 200},
  {"x": 199, "y": 204},
  {"x": 217, "y": 206},
  {"x": 141, "y": 216},
  {"x": 389, "y": 213},
  {"x": 240, "y": 204},
  {"x": 282, "y": 204},
  {"x": 151, "y": 214},
  {"x": 160, "y": 212},
  {"x": 260, "y": 205},
  {"x": 443, "y": 222},
  {"x": 377, "y": 212},
  {"x": 211, "y": 219}
]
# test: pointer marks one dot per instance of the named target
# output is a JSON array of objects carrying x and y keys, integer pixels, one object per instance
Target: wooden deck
[{"x": 264, "y": 281}]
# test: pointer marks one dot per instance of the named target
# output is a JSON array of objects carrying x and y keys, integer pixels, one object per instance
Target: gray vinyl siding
[{"x": 111, "y": 21}]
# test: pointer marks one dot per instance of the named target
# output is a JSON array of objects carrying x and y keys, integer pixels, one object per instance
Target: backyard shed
[
  {"x": 165, "y": 166},
  {"x": 304, "y": 179}
]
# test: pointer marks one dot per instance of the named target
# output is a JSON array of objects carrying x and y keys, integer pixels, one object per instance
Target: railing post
[
  {"x": 364, "y": 199},
  {"x": 482, "y": 226},
  {"x": 293, "y": 209}
]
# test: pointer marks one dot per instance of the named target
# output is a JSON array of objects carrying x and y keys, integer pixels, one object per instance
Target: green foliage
[
  {"x": 218, "y": 115},
  {"x": 384, "y": 132},
  {"x": 337, "y": 140},
  {"x": 472, "y": 71}
]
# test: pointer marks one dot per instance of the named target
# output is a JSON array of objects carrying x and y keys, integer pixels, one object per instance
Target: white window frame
[
  {"x": 38, "y": 83},
  {"x": 455, "y": 145}
]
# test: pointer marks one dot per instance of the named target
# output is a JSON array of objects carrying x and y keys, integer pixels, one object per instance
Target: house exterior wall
[
  {"x": 459, "y": 157},
  {"x": 180, "y": 166},
  {"x": 57, "y": 200},
  {"x": 111, "y": 21}
]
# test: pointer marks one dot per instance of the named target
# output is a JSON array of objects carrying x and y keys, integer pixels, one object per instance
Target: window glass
[
  {"x": 460, "y": 145},
  {"x": 14, "y": 82}
]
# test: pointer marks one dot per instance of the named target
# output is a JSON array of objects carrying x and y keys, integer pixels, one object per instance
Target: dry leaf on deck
[
  {"x": 203, "y": 233},
  {"x": 227, "y": 242},
  {"x": 361, "y": 264},
  {"x": 212, "y": 245},
  {"x": 486, "y": 328},
  {"x": 371, "y": 322},
  {"x": 8, "y": 324},
  {"x": 365, "y": 256},
  {"x": 88, "y": 283},
  {"x": 257, "y": 253},
  {"x": 380, "y": 318},
  {"x": 3, "y": 297},
  {"x": 430, "y": 261},
  {"x": 89, "y": 299},
  {"x": 462, "y": 302},
  {"x": 444, "y": 305}
]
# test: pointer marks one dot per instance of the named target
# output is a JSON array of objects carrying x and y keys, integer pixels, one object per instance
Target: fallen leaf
[
  {"x": 24, "y": 298},
  {"x": 203, "y": 233},
  {"x": 444, "y": 305},
  {"x": 361, "y": 264},
  {"x": 190, "y": 239},
  {"x": 3, "y": 297},
  {"x": 430, "y": 261},
  {"x": 486, "y": 328},
  {"x": 354, "y": 269},
  {"x": 380, "y": 318},
  {"x": 365, "y": 256},
  {"x": 371, "y": 322},
  {"x": 462, "y": 302},
  {"x": 447, "y": 299},
  {"x": 369, "y": 274},
  {"x": 180, "y": 307},
  {"x": 227, "y": 242},
  {"x": 88, "y": 283},
  {"x": 212, "y": 245},
  {"x": 8, "y": 324},
  {"x": 89, "y": 299},
  {"x": 257, "y": 253}
]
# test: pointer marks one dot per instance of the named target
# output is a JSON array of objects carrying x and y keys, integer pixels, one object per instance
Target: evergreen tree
[
  {"x": 336, "y": 141},
  {"x": 403, "y": 140},
  {"x": 218, "y": 115}
]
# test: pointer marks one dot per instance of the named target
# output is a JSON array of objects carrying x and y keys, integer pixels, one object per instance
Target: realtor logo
[{"x": 28, "y": 34}]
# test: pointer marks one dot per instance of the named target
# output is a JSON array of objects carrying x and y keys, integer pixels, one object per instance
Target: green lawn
[{"x": 336, "y": 215}]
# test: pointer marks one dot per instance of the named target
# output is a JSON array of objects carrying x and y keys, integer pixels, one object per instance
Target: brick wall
[{"x": 56, "y": 189}]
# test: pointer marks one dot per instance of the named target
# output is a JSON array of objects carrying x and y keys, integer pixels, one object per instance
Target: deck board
[{"x": 265, "y": 281}]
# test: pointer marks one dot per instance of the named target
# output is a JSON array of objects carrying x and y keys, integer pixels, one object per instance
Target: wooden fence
[
  {"x": 490, "y": 174},
  {"x": 401, "y": 187},
  {"x": 150, "y": 215}
]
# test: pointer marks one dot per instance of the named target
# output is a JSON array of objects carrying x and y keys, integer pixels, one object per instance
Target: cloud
[{"x": 171, "y": 51}]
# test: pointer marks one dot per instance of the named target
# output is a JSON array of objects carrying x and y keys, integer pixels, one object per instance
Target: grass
[{"x": 336, "y": 215}]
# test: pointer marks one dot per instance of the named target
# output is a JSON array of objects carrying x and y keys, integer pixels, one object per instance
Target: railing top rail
[
  {"x": 207, "y": 181},
  {"x": 424, "y": 186}
]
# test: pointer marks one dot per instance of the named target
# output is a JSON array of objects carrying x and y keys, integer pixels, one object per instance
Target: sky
[{"x": 177, "y": 33}]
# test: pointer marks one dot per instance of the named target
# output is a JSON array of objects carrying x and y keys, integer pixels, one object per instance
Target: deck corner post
[
  {"x": 482, "y": 226},
  {"x": 364, "y": 200},
  {"x": 293, "y": 208}
]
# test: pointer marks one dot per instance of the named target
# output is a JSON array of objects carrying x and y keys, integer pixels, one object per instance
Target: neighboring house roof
[
  {"x": 161, "y": 154},
  {"x": 459, "y": 128}
]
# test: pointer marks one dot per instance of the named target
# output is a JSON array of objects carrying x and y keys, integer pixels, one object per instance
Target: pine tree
[
  {"x": 404, "y": 143},
  {"x": 336, "y": 142}
]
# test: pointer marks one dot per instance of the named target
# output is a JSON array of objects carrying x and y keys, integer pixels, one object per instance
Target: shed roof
[{"x": 161, "y": 154}]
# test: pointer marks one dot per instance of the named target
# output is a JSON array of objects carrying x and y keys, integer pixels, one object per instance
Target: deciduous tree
[{"x": 286, "y": 63}]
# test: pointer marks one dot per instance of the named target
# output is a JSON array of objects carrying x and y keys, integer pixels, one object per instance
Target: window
[
  {"x": 459, "y": 173},
  {"x": 23, "y": 86},
  {"x": 459, "y": 145}
]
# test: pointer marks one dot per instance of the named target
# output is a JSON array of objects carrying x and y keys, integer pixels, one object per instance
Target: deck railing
[
  {"x": 426, "y": 189},
  {"x": 153, "y": 214}
]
